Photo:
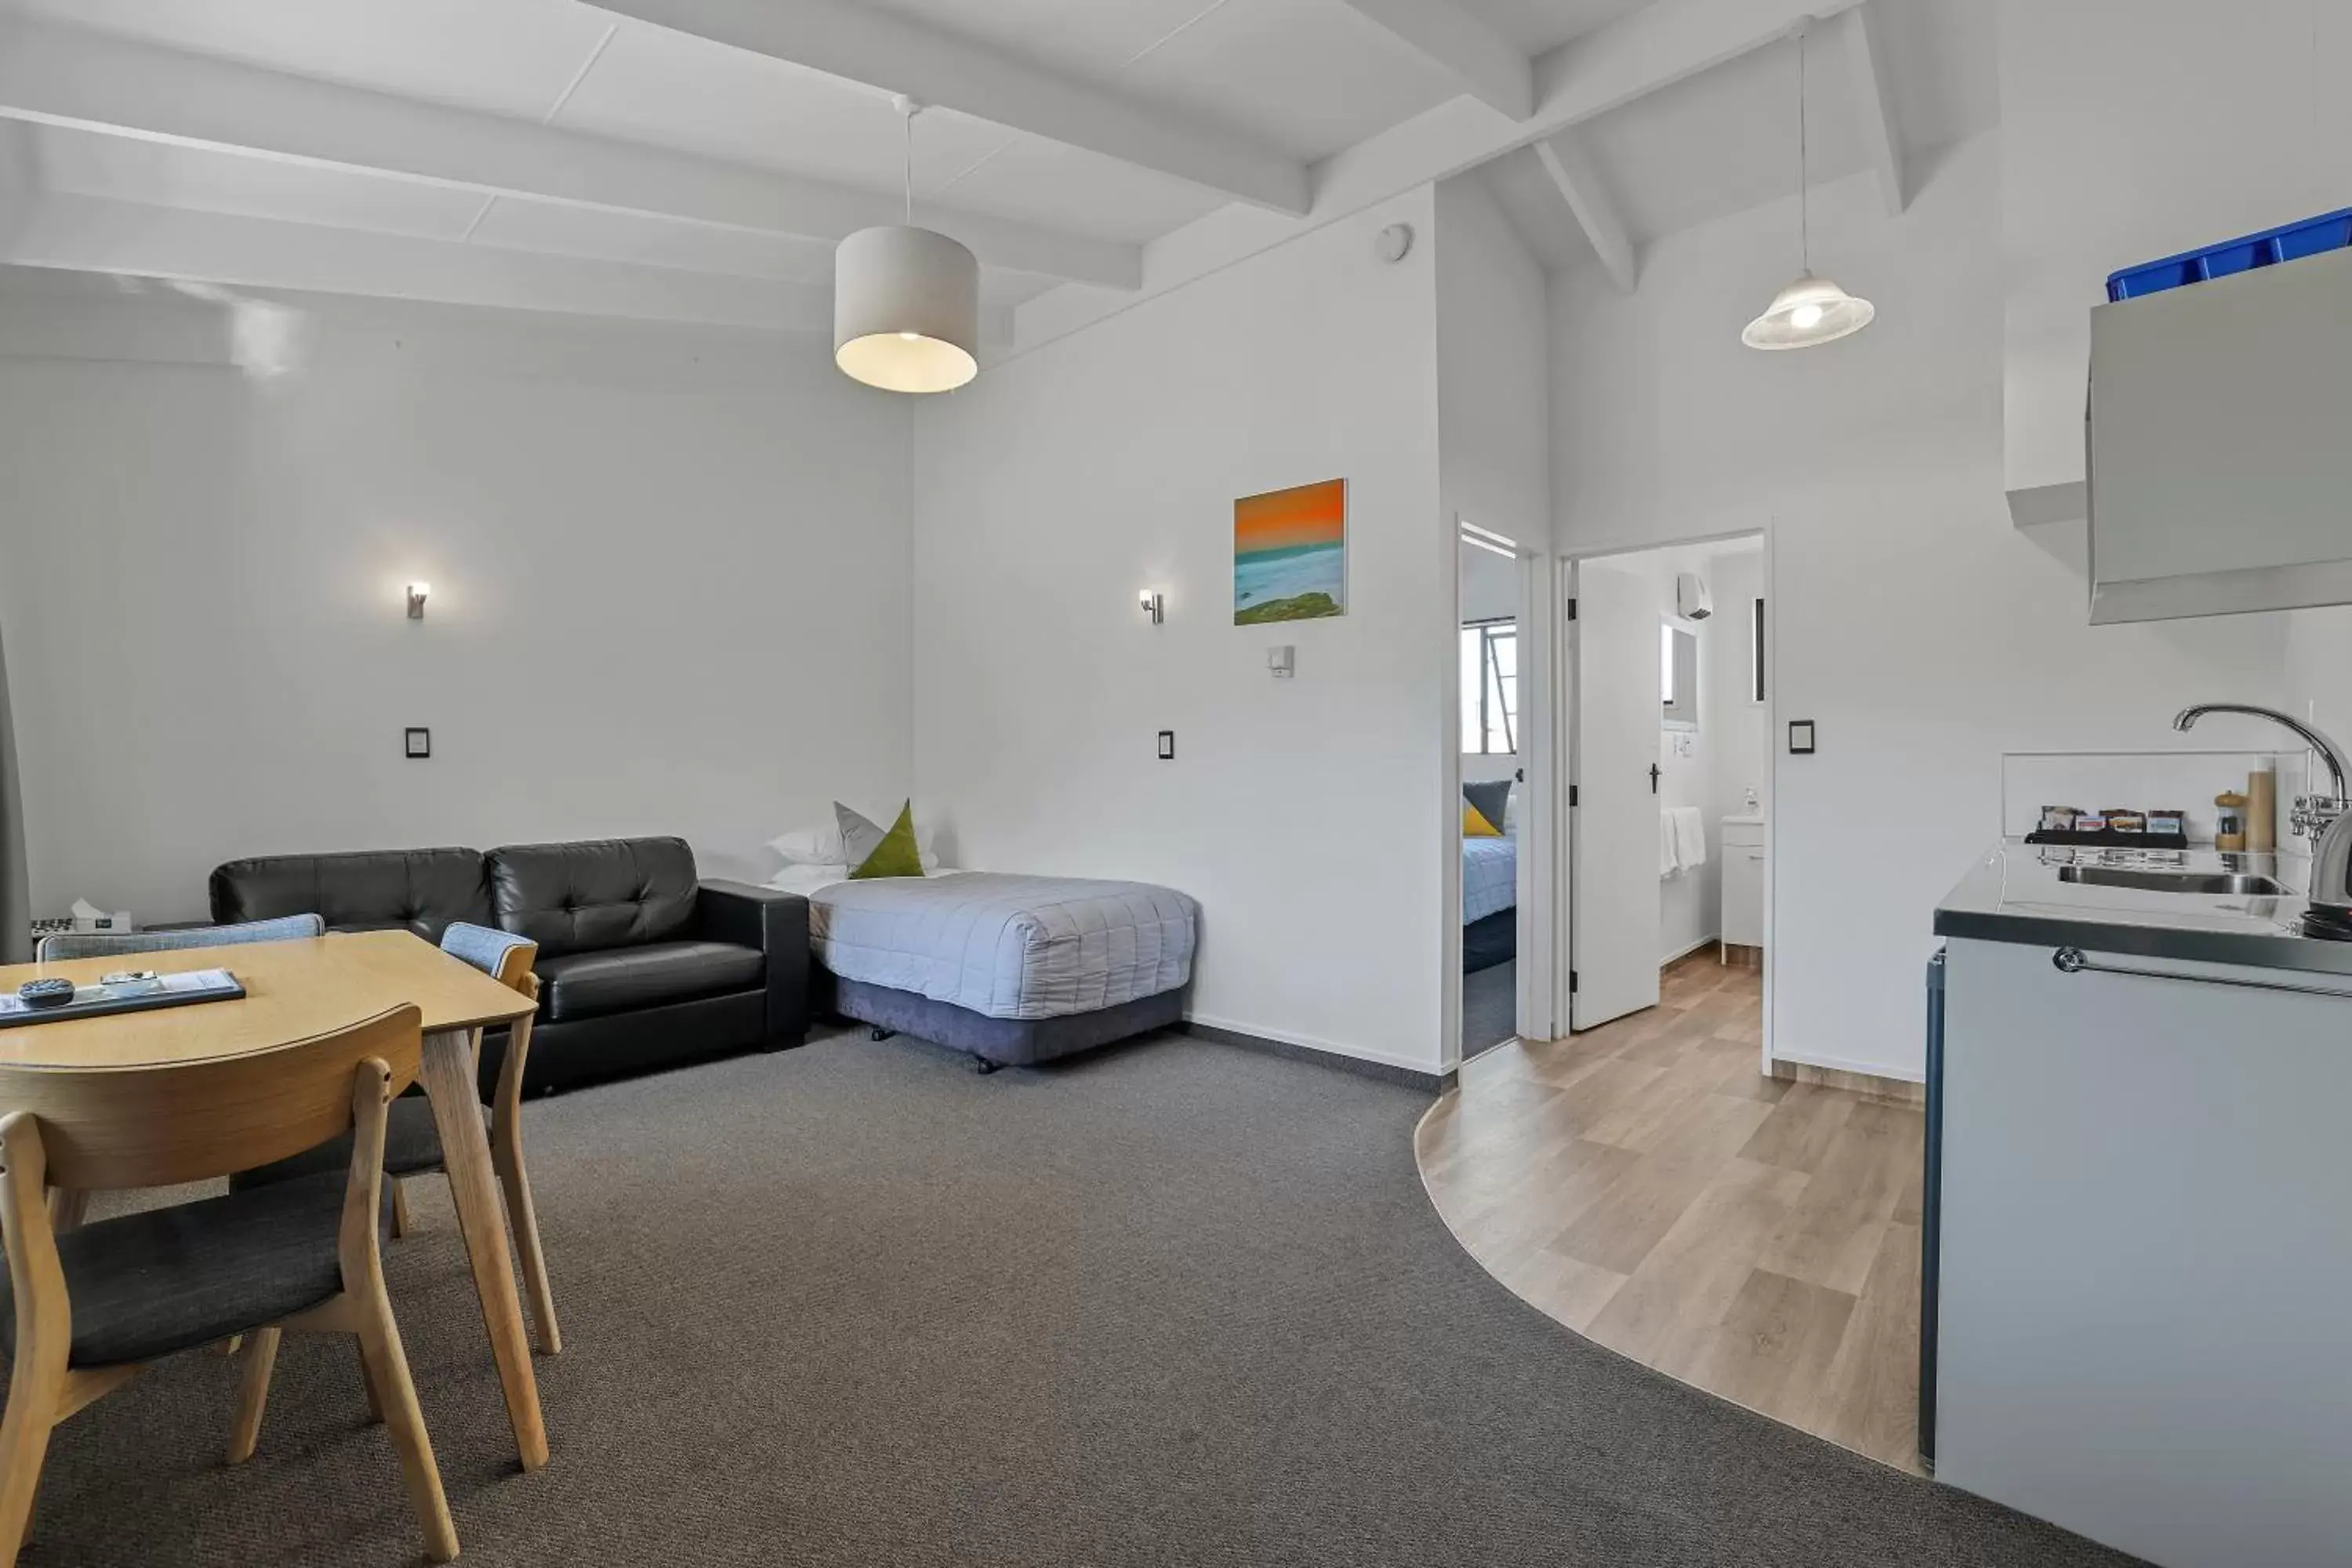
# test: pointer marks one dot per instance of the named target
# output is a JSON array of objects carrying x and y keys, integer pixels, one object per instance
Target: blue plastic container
[{"x": 2293, "y": 243}]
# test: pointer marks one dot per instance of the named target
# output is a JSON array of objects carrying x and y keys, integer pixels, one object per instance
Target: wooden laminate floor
[{"x": 1648, "y": 1186}]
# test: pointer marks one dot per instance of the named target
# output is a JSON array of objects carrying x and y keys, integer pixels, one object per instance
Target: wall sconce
[
  {"x": 416, "y": 592},
  {"x": 1153, "y": 604}
]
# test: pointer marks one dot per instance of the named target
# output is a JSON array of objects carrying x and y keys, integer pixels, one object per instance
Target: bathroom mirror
[{"x": 1678, "y": 676}]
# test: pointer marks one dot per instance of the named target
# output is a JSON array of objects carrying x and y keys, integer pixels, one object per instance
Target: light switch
[
  {"x": 416, "y": 742},
  {"x": 1283, "y": 661},
  {"x": 1167, "y": 745}
]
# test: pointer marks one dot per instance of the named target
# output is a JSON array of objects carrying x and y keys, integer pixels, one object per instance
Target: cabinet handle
[{"x": 1756, "y": 855}]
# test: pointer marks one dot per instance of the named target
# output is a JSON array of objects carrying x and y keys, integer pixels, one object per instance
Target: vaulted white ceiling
[{"x": 698, "y": 159}]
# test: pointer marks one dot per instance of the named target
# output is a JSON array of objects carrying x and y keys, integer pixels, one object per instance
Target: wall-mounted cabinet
[{"x": 2220, "y": 467}]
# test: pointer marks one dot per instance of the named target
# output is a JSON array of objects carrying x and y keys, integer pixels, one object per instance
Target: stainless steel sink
[{"x": 2227, "y": 884}]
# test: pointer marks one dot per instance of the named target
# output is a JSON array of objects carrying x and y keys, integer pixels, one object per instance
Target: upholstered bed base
[
  {"x": 1491, "y": 941},
  {"x": 1009, "y": 1042}
]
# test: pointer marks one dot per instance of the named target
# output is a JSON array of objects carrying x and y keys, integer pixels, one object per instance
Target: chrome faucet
[{"x": 2314, "y": 814}]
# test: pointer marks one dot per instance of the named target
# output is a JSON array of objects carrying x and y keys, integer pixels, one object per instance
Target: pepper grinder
[{"x": 2229, "y": 832}]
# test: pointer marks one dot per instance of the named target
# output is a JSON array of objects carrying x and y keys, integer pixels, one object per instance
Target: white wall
[
  {"x": 2138, "y": 129},
  {"x": 1921, "y": 630},
  {"x": 1303, "y": 813},
  {"x": 668, "y": 577}
]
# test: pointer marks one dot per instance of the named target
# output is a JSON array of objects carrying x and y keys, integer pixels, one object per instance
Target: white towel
[
  {"x": 1690, "y": 837},
  {"x": 1668, "y": 866}
]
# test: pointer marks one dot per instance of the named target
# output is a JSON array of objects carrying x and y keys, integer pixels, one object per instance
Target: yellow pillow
[{"x": 1475, "y": 824}]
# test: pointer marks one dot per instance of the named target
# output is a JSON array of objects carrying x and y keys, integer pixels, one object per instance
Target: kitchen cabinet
[
  {"x": 2218, "y": 462},
  {"x": 2143, "y": 1252}
]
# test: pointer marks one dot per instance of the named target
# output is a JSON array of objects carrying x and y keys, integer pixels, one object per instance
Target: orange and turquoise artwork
[{"x": 1290, "y": 554}]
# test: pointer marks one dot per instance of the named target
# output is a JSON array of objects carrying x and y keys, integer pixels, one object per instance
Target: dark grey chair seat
[
  {"x": 169, "y": 1279},
  {"x": 623, "y": 979},
  {"x": 412, "y": 1146}
]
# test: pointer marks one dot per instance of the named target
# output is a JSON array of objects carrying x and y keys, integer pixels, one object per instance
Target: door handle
[{"x": 1654, "y": 778}]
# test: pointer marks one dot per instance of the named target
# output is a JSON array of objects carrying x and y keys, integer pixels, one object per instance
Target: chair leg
[
  {"x": 23, "y": 1444},
  {"x": 367, "y": 1382},
  {"x": 400, "y": 1228},
  {"x": 387, "y": 1366},
  {"x": 522, "y": 1220},
  {"x": 253, "y": 1394}
]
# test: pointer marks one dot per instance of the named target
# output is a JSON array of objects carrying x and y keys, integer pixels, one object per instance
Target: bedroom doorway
[
  {"x": 1670, "y": 719},
  {"x": 1494, "y": 655}
]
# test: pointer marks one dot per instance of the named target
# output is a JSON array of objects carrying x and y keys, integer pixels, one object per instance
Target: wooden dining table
[{"x": 294, "y": 990}]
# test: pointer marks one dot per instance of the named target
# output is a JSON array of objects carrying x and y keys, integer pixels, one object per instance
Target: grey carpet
[
  {"x": 1175, "y": 1304},
  {"x": 1490, "y": 1008}
]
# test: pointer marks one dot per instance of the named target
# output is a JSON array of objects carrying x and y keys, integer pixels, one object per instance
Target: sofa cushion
[
  {"x": 421, "y": 890},
  {"x": 618, "y": 980},
  {"x": 596, "y": 893}
]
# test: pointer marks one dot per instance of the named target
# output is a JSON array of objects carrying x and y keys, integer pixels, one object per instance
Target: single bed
[
  {"x": 1490, "y": 899},
  {"x": 1012, "y": 970}
]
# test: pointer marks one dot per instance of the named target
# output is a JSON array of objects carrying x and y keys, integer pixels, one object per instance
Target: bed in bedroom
[
  {"x": 1490, "y": 878},
  {"x": 1011, "y": 969}
]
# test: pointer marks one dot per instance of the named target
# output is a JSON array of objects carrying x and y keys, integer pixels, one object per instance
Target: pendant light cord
[
  {"x": 1804, "y": 173},
  {"x": 911, "y": 112}
]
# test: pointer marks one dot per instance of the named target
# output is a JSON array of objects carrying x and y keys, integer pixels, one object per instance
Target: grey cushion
[
  {"x": 590, "y": 985},
  {"x": 109, "y": 944},
  {"x": 171, "y": 1279},
  {"x": 1493, "y": 800},
  {"x": 484, "y": 948},
  {"x": 412, "y": 1146}
]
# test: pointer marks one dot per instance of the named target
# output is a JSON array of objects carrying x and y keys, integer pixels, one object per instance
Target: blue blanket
[
  {"x": 1490, "y": 877},
  {"x": 1007, "y": 946}
]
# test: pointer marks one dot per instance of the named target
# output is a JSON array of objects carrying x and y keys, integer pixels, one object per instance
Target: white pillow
[
  {"x": 822, "y": 847},
  {"x": 805, "y": 879},
  {"x": 811, "y": 845}
]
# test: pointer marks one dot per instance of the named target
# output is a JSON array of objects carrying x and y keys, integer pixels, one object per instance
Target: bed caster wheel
[
  {"x": 983, "y": 1067},
  {"x": 879, "y": 1033}
]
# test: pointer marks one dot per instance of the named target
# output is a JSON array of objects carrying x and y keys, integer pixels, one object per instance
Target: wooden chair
[
  {"x": 413, "y": 1144},
  {"x": 94, "y": 1307}
]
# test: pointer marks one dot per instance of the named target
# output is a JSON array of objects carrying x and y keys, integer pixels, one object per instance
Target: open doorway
[
  {"x": 1495, "y": 751},
  {"x": 1670, "y": 712}
]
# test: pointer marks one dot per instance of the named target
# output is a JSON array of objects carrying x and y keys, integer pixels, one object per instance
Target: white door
[{"x": 1614, "y": 958}]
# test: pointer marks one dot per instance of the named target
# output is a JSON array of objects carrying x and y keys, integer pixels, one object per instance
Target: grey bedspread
[{"x": 1007, "y": 946}]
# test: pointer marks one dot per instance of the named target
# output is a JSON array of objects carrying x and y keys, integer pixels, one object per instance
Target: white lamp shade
[
  {"x": 1809, "y": 311},
  {"x": 906, "y": 309}
]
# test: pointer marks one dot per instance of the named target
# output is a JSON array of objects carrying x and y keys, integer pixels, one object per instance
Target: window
[
  {"x": 1490, "y": 688},
  {"x": 1755, "y": 651}
]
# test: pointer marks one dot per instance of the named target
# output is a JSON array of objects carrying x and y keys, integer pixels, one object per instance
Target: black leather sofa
[{"x": 641, "y": 964}]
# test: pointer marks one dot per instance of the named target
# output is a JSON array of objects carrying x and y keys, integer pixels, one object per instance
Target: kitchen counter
[{"x": 2014, "y": 894}]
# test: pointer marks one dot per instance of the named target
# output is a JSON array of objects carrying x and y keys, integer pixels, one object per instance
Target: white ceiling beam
[
  {"x": 1875, "y": 104},
  {"x": 1490, "y": 66},
  {"x": 86, "y": 234},
  {"x": 867, "y": 43},
  {"x": 85, "y": 80},
  {"x": 1641, "y": 52},
  {"x": 1565, "y": 159}
]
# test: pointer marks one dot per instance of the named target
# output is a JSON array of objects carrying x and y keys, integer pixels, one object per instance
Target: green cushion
[{"x": 871, "y": 852}]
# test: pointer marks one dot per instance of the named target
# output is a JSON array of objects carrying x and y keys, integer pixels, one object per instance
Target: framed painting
[{"x": 1290, "y": 554}]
